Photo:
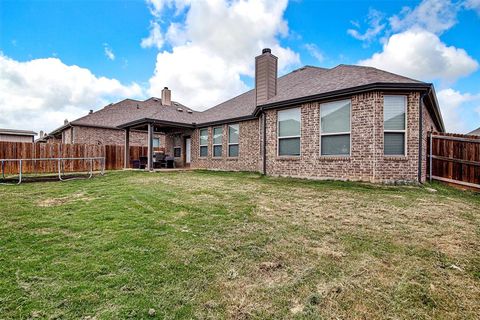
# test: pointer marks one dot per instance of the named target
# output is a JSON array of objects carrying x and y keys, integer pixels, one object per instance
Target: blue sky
[{"x": 61, "y": 58}]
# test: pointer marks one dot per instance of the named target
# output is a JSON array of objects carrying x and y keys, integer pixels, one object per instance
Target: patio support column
[
  {"x": 126, "y": 158},
  {"x": 150, "y": 147}
]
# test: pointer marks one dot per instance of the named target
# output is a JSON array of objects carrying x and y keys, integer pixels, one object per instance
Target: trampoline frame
[{"x": 61, "y": 167}]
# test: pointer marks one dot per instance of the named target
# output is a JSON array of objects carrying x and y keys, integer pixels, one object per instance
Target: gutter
[
  {"x": 264, "y": 143},
  {"x": 420, "y": 135},
  {"x": 345, "y": 92}
]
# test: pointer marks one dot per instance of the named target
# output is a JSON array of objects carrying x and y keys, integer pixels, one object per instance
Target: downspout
[
  {"x": 264, "y": 143},
  {"x": 420, "y": 135}
]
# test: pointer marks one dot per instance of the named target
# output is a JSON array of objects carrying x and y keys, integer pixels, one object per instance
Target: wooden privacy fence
[
  {"x": 454, "y": 158},
  {"x": 114, "y": 156}
]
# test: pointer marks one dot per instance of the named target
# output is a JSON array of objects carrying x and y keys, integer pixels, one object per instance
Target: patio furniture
[
  {"x": 170, "y": 162},
  {"x": 136, "y": 164},
  {"x": 143, "y": 162},
  {"x": 159, "y": 161}
]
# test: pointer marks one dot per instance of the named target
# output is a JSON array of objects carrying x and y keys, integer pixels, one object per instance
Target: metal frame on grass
[{"x": 61, "y": 167}]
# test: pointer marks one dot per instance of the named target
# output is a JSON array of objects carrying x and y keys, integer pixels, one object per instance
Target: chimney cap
[
  {"x": 266, "y": 50},
  {"x": 165, "y": 88}
]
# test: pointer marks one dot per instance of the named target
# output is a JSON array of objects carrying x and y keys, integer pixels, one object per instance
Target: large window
[
  {"x": 217, "y": 141},
  {"x": 394, "y": 115},
  {"x": 203, "y": 142},
  {"x": 289, "y": 132},
  {"x": 335, "y": 128},
  {"x": 233, "y": 131}
]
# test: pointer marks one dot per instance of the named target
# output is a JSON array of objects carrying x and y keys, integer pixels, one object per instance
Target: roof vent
[
  {"x": 90, "y": 112},
  {"x": 179, "y": 109},
  {"x": 155, "y": 99},
  {"x": 189, "y": 111}
]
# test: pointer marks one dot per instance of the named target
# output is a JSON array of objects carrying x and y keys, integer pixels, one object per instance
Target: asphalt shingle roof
[
  {"x": 475, "y": 132},
  {"x": 303, "y": 82},
  {"x": 129, "y": 110}
]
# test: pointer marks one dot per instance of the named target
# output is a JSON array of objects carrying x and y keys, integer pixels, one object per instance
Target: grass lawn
[{"x": 237, "y": 246}]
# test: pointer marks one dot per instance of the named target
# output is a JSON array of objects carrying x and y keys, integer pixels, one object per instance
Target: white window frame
[
  {"x": 289, "y": 137},
  {"x": 158, "y": 139},
  {"x": 233, "y": 144},
  {"x": 335, "y": 133},
  {"x": 404, "y": 131},
  {"x": 216, "y": 144},
  {"x": 200, "y": 145}
]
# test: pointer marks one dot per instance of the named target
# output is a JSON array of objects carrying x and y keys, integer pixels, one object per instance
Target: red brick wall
[
  {"x": 249, "y": 156},
  {"x": 366, "y": 162},
  {"x": 170, "y": 145},
  {"x": 91, "y": 135}
]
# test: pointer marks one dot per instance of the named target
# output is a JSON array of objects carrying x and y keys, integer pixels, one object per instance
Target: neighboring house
[
  {"x": 475, "y": 132},
  {"x": 12, "y": 135}
]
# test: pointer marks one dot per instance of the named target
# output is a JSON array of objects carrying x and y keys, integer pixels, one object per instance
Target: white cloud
[
  {"x": 215, "y": 46},
  {"x": 314, "y": 51},
  {"x": 108, "y": 52},
  {"x": 451, "y": 103},
  {"x": 374, "y": 20},
  {"x": 157, "y": 7},
  {"x": 155, "y": 38},
  {"x": 422, "y": 55},
  {"x": 433, "y": 15},
  {"x": 39, "y": 94},
  {"x": 473, "y": 5}
]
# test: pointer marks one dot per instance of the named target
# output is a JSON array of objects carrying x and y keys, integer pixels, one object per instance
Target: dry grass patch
[{"x": 215, "y": 245}]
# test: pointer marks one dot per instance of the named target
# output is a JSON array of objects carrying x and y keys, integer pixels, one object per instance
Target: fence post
[{"x": 430, "y": 157}]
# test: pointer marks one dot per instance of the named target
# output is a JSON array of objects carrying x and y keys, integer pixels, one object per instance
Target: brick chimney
[
  {"x": 265, "y": 76},
  {"x": 166, "y": 97}
]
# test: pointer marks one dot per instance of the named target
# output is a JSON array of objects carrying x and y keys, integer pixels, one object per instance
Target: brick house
[
  {"x": 101, "y": 127},
  {"x": 347, "y": 122}
]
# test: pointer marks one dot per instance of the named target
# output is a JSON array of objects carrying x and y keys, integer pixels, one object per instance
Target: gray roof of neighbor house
[
  {"x": 302, "y": 84},
  {"x": 475, "y": 132},
  {"x": 16, "y": 132}
]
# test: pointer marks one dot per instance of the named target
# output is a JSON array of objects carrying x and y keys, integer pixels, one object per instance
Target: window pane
[
  {"x": 394, "y": 112},
  {"x": 289, "y": 122},
  {"x": 156, "y": 142},
  {"x": 233, "y": 133},
  {"x": 394, "y": 143},
  {"x": 335, "y": 116},
  {"x": 217, "y": 151},
  {"x": 203, "y": 151},
  {"x": 177, "y": 152},
  {"x": 289, "y": 147},
  {"x": 204, "y": 137},
  {"x": 217, "y": 135},
  {"x": 233, "y": 150},
  {"x": 336, "y": 145}
]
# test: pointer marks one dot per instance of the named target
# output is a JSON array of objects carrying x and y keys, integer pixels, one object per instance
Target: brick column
[
  {"x": 126, "y": 157},
  {"x": 150, "y": 147}
]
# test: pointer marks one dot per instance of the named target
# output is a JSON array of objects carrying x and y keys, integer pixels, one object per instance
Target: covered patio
[{"x": 177, "y": 140}]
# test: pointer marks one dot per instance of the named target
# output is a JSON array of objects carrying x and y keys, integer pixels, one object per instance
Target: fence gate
[{"x": 454, "y": 158}]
